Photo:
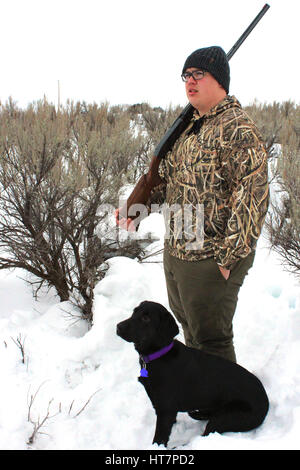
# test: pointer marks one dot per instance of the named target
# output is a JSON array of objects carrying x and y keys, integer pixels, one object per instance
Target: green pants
[{"x": 204, "y": 303}]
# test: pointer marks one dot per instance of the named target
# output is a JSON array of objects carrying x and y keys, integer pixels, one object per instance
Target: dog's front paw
[{"x": 160, "y": 442}]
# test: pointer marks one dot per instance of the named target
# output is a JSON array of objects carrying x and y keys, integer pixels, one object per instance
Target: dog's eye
[{"x": 145, "y": 318}]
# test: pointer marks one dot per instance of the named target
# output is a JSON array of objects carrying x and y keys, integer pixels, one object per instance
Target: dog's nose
[{"x": 120, "y": 329}]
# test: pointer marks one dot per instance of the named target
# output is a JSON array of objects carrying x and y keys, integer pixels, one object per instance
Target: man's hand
[
  {"x": 225, "y": 272},
  {"x": 126, "y": 224}
]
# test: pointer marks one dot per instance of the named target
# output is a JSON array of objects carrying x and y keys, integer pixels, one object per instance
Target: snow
[{"x": 87, "y": 378}]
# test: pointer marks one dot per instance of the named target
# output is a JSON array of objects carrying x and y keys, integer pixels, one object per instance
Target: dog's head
[{"x": 150, "y": 327}]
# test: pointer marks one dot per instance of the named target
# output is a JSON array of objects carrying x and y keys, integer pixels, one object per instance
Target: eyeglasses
[{"x": 196, "y": 74}]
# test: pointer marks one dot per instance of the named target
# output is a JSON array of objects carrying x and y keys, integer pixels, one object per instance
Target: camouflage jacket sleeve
[{"x": 245, "y": 168}]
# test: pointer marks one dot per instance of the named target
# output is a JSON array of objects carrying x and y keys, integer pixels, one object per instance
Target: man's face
[{"x": 202, "y": 94}]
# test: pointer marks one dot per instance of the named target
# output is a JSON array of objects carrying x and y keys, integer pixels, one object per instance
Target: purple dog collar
[
  {"x": 158, "y": 354},
  {"x": 152, "y": 357}
]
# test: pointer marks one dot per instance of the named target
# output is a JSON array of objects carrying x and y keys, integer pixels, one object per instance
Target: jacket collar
[{"x": 226, "y": 103}]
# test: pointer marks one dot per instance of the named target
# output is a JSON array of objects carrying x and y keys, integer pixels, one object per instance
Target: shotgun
[{"x": 150, "y": 180}]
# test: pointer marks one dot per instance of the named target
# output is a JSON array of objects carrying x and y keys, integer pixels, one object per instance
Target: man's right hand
[{"x": 126, "y": 224}]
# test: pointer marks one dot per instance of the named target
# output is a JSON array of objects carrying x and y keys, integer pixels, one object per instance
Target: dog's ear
[
  {"x": 168, "y": 326},
  {"x": 174, "y": 330}
]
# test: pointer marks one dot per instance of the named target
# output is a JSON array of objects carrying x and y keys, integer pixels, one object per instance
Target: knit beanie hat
[{"x": 213, "y": 60}]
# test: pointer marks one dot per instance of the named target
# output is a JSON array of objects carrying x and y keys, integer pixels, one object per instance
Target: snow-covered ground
[{"x": 83, "y": 383}]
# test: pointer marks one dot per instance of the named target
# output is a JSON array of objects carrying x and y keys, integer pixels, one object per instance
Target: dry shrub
[{"x": 57, "y": 169}]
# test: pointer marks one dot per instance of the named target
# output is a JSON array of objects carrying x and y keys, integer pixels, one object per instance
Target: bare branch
[
  {"x": 87, "y": 402},
  {"x": 20, "y": 344},
  {"x": 38, "y": 423}
]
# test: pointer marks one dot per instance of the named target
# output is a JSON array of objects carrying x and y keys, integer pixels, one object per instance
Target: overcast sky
[{"x": 129, "y": 51}]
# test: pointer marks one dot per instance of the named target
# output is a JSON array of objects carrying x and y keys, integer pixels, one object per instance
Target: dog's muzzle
[{"x": 123, "y": 330}]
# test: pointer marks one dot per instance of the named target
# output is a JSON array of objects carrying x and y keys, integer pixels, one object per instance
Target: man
[{"x": 220, "y": 163}]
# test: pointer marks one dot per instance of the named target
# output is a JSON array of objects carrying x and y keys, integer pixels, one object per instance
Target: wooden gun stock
[{"x": 142, "y": 190}]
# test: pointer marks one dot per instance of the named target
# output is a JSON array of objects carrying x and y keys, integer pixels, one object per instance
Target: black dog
[{"x": 178, "y": 378}]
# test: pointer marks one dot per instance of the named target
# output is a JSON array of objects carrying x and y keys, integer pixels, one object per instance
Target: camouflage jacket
[{"x": 216, "y": 174}]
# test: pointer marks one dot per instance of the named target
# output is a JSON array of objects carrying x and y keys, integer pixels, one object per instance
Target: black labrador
[{"x": 179, "y": 378}]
